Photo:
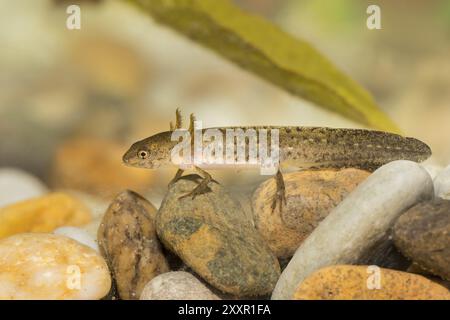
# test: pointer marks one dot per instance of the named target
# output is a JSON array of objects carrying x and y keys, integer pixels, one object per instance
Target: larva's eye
[{"x": 143, "y": 154}]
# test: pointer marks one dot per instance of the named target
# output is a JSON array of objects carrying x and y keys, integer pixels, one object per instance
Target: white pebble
[
  {"x": 92, "y": 227},
  {"x": 176, "y": 285},
  {"x": 17, "y": 185},
  {"x": 442, "y": 184},
  {"x": 433, "y": 170},
  {"x": 79, "y": 235},
  {"x": 358, "y": 222}
]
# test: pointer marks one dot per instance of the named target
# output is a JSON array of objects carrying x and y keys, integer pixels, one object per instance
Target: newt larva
[
  {"x": 300, "y": 147},
  {"x": 303, "y": 147}
]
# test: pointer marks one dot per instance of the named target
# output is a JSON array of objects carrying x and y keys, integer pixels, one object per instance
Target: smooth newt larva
[{"x": 303, "y": 147}]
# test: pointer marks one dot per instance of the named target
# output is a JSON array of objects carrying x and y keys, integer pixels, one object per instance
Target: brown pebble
[
  {"x": 423, "y": 234},
  {"x": 310, "y": 196},
  {"x": 127, "y": 239}
]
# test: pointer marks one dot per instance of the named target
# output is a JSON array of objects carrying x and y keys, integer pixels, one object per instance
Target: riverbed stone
[
  {"x": 432, "y": 169},
  {"x": 43, "y": 214},
  {"x": 346, "y": 282},
  {"x": 214, "y": 237},
  {"x": 17, "y": 185},
  {"x": 358, "y": 222},
  {"x": 442, "y": 184},
  {"x": 423, "y": 235},
  {"x": 48, "y": 266},
  {"x": 310, "y": 196},
  {"x": 95, "y": 166},
  {"x": 79, "y": 235},
  {"x": 127, "y": 239},
  {"x": 177, "y": 285}
]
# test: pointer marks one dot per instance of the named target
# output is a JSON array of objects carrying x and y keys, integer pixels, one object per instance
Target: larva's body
[
  {"x": 337, "y": 148},
  {"x": 304, "y": 147}
]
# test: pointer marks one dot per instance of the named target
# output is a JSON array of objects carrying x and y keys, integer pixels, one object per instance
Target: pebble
[
  {"x": 43, "y": 214},
  {"x": 442, "y": 184},
  {"x": 97, "y": 206},
  {"x": 310, "y": 196},
  {"x": 92, "y": 228},
  {"x": 17, "y": 185},
  {"x": 432, "y": 169},
  {"x": 127, "y": 239},
  {"x": 95, "y": 166},
  {"x": 176, "y": 285},
  {"x": 384, "y": 254},
  {"x": 79, "y": 235},
  {"x": 358, "y": 222},
  {"x": 48, "y": 266},
  {"x": 214, "y": 237},
  {"x": 423, "y": 235},
  {"x": 345, "y": 282}
]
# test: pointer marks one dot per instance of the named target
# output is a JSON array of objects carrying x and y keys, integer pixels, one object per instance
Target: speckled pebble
[
  {"x": 176, "y": 285},
  {"x": 310, "y": 196},
  {"x": 345, "y": 282},
  {"x": 212, "y": 235},
  {"x": 127, "y": 239},
  {"x": 423, "y": 235}
]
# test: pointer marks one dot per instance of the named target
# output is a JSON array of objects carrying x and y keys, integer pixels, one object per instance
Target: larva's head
[{"x": 152, "y": 152}]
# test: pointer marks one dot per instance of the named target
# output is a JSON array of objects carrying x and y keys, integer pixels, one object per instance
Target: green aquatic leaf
[{"x": 259, "y": 46}]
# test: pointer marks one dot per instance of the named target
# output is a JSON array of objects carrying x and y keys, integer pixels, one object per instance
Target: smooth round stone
[
  {"x": 127, "y": 239},
  {"x": 433, "y": 170},
  {"x": 95, "y": 167},
  {"x": 359, "y": 222},
  {"x": 345, "y": 282},
  {"x": 214, "y": 237},
  {"x": 442, "y": 184},
  {"x": 423, "y": 235},
  {"x": 310, "y": 196},
  {"x": 177, "y": 285},
  {"x": 17, "y": 185},
  {"x": 43, "y": 214},
  {"x": 96, "y": 205},
  {"x": 49, "y": 266},
  {"x": 92, "y": 227},
  {"x": 79, "y": 235}
]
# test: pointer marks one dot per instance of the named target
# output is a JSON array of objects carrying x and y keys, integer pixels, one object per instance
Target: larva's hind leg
[
  {"x": 176, "y": 177},
  {"x": 202, "y": 186},
  {"x": 280, "y": 194}
]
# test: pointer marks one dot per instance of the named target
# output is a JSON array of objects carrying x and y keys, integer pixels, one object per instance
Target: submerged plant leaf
[{"x": 259, "y": 46}]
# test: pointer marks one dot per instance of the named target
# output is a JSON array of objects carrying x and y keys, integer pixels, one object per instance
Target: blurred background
[{"x": 72, "y": 101}]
